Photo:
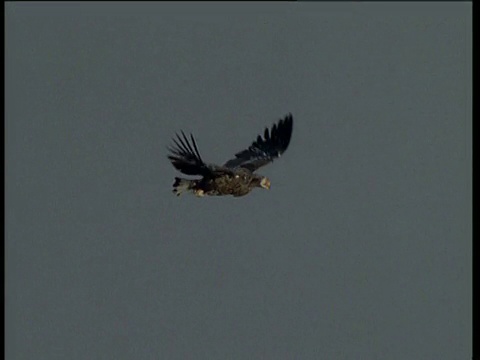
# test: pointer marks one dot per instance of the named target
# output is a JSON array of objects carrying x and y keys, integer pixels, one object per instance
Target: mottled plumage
[{"x": 236, "y": 177}]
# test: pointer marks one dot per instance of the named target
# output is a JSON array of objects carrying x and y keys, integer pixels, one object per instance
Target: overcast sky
[{"x": 361, "y": 249}]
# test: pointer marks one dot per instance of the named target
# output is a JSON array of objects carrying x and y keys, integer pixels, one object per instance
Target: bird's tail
[{"x": 182, "y": 185}]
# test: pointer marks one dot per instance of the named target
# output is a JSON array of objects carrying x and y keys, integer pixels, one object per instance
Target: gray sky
[{"x": 360, "y": 250}]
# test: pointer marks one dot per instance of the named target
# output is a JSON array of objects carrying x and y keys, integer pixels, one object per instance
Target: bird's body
[
  {"x": 237, "y": 183},
  {"x": 236, "y": 177}
]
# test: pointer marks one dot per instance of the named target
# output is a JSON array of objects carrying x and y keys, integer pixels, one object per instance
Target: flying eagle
[{"x": 237, "y": 176}]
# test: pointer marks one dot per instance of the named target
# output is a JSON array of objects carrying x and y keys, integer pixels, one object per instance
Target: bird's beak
[{"x": 265, "y": 183}]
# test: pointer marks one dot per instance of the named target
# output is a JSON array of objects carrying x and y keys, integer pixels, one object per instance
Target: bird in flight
[{"x": 237, "y": 176}]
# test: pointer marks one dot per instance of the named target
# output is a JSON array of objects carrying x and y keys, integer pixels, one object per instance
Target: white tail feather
[{"x": 182, "y": 185}]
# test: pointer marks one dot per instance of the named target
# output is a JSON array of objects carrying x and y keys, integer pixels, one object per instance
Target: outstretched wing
[
  {"x": 186, "y": 158},
  {"x": 265, "y": 150}
]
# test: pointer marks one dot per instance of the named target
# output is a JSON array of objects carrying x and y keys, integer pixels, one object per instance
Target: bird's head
[{"x": 265, "y": 183}]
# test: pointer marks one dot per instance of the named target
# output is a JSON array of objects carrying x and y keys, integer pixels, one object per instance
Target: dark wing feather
[
  {"x": 186, "y": 158},
  {"x": 265, "y": 150}
]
